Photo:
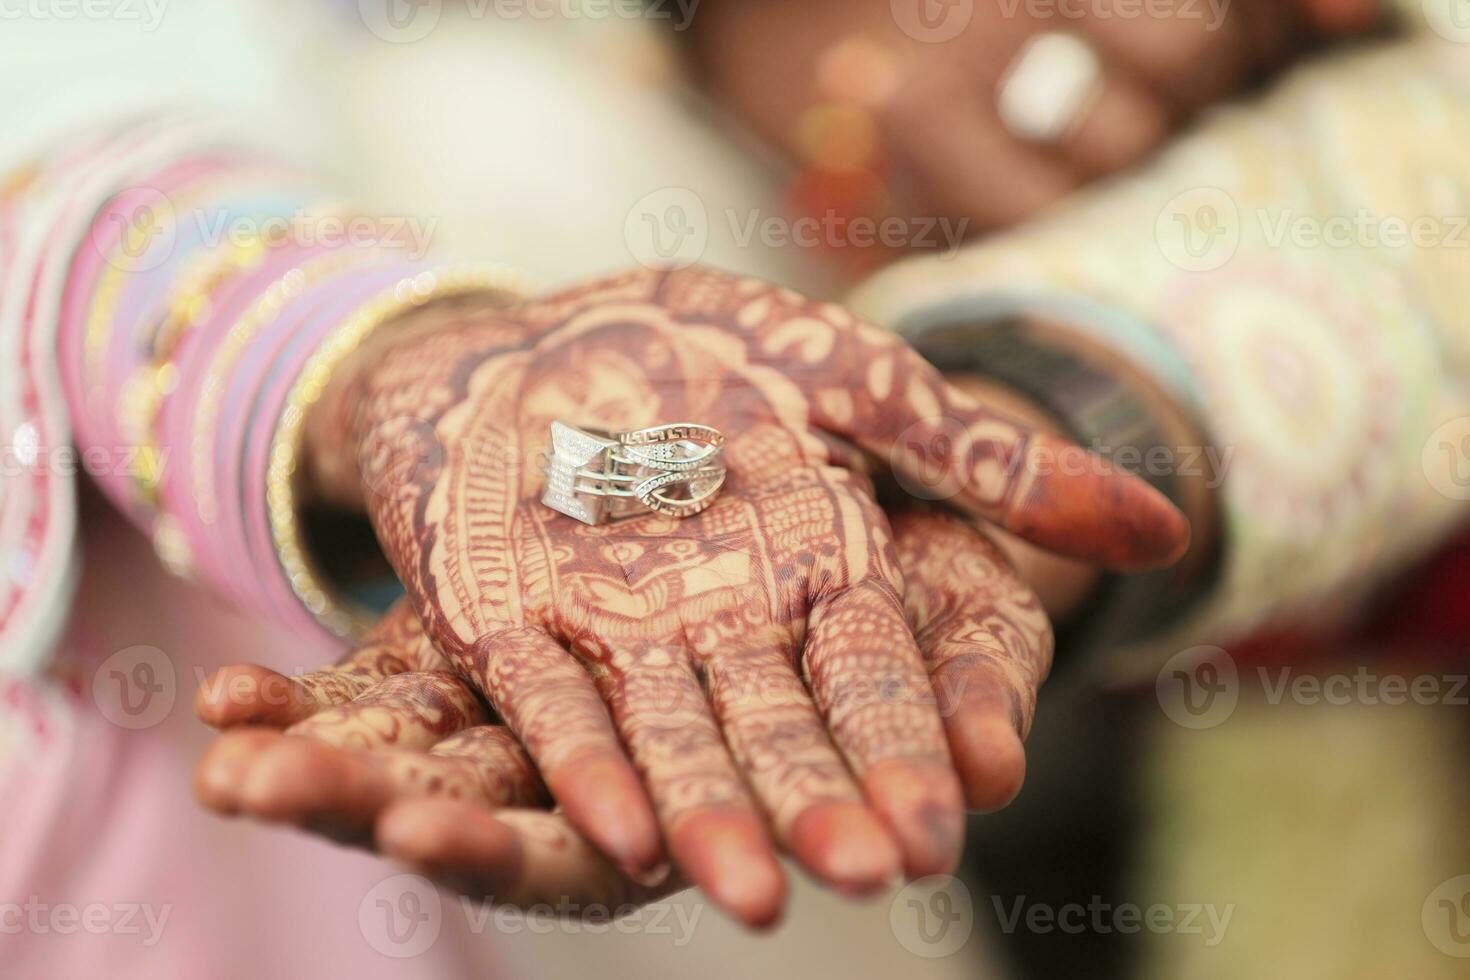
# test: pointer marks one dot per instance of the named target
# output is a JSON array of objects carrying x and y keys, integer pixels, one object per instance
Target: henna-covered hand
[
  {"x": 390, "y": 751},
  {"x": 746, "y": 672}
]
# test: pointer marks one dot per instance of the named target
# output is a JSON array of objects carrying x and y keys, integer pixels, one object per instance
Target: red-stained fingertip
[
  {"x": 924, "y": 808},
  {"x": 847, "y": 847},
  {"x": 604, "y": 799},
  {"x": 1076, "y": 503},
  {"x": 726, "y": 852}
]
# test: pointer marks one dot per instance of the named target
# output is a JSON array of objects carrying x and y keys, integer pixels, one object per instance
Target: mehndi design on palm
[{"x": 746, "y": 673}]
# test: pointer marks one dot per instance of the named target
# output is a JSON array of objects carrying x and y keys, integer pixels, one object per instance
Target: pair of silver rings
[{"x": 596, "y": 476}]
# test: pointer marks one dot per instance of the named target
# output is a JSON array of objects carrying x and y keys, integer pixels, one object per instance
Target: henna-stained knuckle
[
  {"x": 550, "y": 703},
  {"x": 780, "y": 742},
  {"x": 867, "y": 674},
  {"x": 249, "y": 694}
]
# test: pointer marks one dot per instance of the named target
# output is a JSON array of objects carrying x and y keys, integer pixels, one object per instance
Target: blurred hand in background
[{"x": 987, "y": 111}]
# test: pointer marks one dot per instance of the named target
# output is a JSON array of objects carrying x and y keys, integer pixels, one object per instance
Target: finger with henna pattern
[
  {"x": 868, "y": 386},
  {"x": 413, "y": 710},
  {"x": 867, "y": 676},
  {"x": 716, "y": 836},
  {"x": 815, "y": 807},
  {"x": 315, "y": 785},
  {"x": 550, "y": 703},
  {"x": 248, "y": 694},
  {"x": 407, "y": 711},
  {"x": 987, "y": 643},
  {"x": 516, "y": 858}
]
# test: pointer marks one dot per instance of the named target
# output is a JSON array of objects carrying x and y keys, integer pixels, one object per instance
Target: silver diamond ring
[{"x": 597, "y": 476}]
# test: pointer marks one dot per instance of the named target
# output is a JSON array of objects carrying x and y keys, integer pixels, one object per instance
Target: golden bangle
[{"x": 495, "y": 282}]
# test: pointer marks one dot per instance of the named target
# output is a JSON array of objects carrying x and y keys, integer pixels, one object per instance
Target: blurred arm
[{"x": 1291, "y": 276}]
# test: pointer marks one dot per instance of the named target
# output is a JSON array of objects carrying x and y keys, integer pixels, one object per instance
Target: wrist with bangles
[{"x": 202, "y": 354}]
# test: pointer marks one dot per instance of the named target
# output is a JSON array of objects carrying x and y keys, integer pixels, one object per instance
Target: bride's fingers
[
  {"x": 549, "y": 702},
  {"x": 867, "y": 676},
  {"x": 220, "y": 774},
  {"x": 715, "y": 834},
  {"x": 514, "y": 858},
  {"x": 248, "y": 694},
  {"x": 781, "y": 745},
  {"x": 1044, "y": 489},
  {"x": 987, "y": 644},
  {"x": 340, "y": 791},
  {"x": 407, "y": 711}
]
